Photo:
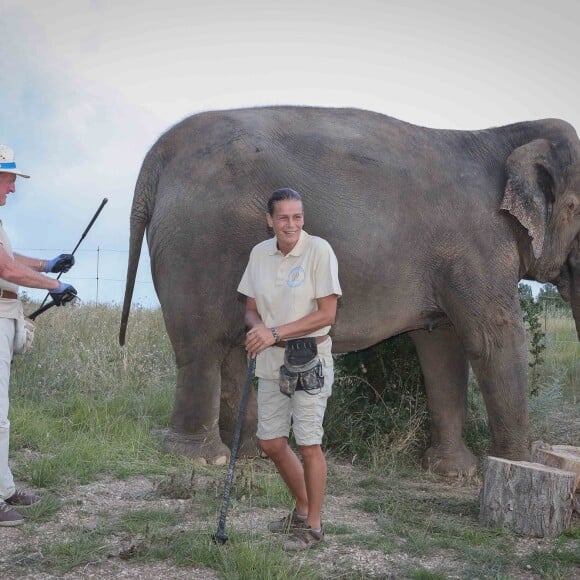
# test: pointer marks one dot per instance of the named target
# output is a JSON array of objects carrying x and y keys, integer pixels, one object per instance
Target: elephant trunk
[
  {"x": 575, "y": 300},
  {"x": 568, "y": 282},
  {"x": 574, "y": 267}
]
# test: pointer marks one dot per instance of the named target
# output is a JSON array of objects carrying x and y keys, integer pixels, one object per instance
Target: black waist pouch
[{"x": 302, "y": 369}]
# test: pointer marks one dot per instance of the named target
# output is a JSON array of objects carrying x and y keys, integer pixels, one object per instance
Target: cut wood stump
[
  {"x": 564, "y": 457},
  {"x": 529, "y": 498}
]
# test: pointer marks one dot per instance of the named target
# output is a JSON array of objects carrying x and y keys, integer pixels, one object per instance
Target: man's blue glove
[
  {"x": 63, "y": 294},
  {"x": 62, "y": 263}
]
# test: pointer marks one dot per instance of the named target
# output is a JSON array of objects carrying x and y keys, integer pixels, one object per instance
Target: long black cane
[
  {"x": 105, "y": 200},
  {"x": 220, "y": 537}
]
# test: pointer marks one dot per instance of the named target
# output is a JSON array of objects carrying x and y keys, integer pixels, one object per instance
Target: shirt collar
[{"x": 296, "y": 250}]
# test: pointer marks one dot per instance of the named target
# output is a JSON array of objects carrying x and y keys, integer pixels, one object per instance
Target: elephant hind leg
[
  {"x": 194, "y": 428},
  {"x": 446, "y": 371}
]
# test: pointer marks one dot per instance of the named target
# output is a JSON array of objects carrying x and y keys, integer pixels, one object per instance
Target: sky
[{"x": 87, "y": 86}]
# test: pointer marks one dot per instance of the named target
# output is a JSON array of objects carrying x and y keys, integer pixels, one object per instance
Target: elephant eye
[{"x": 546, "y": 184}]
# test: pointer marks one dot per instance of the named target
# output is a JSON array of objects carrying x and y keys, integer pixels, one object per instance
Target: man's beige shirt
[
  {"x": 8, "y": 308},
  {"x": 286, "y": 288}
]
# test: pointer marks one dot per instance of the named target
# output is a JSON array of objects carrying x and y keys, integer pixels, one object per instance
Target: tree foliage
[
  {"x": 378, "y": 402},
  {"x": 532, "y": 313}
]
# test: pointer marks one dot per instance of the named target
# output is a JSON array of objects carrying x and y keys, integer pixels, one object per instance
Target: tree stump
[
  {"x": 564, "y": 457},
  {"x": 529, "y": 498}
]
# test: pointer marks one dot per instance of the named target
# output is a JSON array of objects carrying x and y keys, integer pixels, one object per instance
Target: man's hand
[
  {"x": 62, "y": 263},
  {"x": 258, "y": 339},
  {"x": 63, "y": 294}
]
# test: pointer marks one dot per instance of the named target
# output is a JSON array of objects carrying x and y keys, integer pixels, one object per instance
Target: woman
[{"x": 292, "y": 288}]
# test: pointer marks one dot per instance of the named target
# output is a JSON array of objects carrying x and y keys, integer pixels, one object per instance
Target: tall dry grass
[{"x": 82, "y": 405}]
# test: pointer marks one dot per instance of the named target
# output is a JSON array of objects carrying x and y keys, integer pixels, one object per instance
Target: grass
[
  {"x": 84, "y": 410},
  {"x": 92, "y": 401},
  {"x": 562, "y": 360}
]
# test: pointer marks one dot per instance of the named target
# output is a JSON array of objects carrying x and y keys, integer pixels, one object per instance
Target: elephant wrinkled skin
[{"x": 433, "y": 229}]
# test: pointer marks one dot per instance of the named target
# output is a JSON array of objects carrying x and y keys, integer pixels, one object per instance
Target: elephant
[{"x": 433, "y": 230}]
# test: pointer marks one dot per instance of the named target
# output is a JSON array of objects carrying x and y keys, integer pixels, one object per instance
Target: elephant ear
[{"x": 530, "y": 189}]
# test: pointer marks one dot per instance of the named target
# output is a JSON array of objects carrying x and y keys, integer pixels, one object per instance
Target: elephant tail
[{"x": 141, "y": 212}]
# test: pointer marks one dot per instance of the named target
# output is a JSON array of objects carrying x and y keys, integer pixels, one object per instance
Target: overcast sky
[{"x": 86, "y": 87}]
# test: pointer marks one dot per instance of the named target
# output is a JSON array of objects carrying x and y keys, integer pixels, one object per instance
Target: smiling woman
[{"x": 291, "y": 288}]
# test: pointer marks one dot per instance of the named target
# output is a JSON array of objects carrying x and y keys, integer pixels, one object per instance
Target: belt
[
  {"x": 8, "y": 294},
  {"x": 319, "y": 339}
]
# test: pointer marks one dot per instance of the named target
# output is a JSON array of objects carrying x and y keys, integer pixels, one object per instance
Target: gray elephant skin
[{"x": 432, "y": 228}]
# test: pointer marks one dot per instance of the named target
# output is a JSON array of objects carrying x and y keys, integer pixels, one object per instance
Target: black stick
[
  {"x": 103, "y": 203},
  {"x": 105, "y": 200},
  {"x": 220, "y": 537},
  {"x": 41, "y": 310}
]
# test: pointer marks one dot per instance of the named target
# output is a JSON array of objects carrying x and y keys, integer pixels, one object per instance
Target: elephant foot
[
  {"x": 249, "y": 447},
  {"x": 513, "y": 453},
  {"x": 450, "y": 462},
  {"x": 248, "y": 443},
  {"x": 202, "y": 450}
]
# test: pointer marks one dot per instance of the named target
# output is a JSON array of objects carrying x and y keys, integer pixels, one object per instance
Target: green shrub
[
  {"x": 532, "y": 312},
  {"x": 377, "y": 409}
]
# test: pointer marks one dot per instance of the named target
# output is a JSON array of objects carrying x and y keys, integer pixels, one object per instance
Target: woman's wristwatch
[{"x": 274, "y": 331}]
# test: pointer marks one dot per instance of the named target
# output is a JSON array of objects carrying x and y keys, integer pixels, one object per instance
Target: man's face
[
  {"x": 287, "y": 222},
  {"x": 7, "y": 185}
]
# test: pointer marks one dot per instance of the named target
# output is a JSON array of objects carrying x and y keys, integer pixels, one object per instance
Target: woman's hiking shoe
[
  {"x": 21, "y": 498},
  {"x": 8, "y": 516},
  {"x": 288, "y": 524},
  {"x": 303, "y": 539}
]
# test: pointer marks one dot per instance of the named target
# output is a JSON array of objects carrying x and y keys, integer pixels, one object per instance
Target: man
[
  {"x": 292, "y": 288},
  {"x": 18, "y": 270}
]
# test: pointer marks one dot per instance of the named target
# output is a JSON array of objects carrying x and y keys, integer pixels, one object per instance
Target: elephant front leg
[
  {"x": 501, "y": 371},
  {"x": 446, "y": 371},
  {"x": 195, "y": 420}
]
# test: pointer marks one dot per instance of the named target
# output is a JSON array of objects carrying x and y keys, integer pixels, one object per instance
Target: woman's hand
[{"x": 259, "y": 338}]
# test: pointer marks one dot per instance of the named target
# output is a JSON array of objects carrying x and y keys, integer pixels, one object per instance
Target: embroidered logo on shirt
[{"x": 296, "y": 277}]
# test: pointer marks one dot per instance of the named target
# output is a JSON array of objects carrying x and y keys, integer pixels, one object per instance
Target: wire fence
[
  {"x": 99, "y": 275},
  {"x": 557, "y": 313}
]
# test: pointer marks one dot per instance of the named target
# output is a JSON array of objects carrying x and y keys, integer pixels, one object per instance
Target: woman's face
[{"x": 287, "y": 221}]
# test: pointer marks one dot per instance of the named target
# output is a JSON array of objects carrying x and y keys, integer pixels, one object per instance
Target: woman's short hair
[{"x": 280, "y": 195}]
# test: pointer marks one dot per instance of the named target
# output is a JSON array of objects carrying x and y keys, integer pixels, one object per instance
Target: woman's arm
[{"x": 260, "y": 337}]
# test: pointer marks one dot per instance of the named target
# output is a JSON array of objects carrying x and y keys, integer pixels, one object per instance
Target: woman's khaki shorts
[{"x": 304, "y": 411}]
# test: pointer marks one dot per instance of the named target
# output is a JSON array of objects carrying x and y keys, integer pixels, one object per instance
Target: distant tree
[
  {"x": 532, "y": 312},
  {"x": 525, "y": 292}
]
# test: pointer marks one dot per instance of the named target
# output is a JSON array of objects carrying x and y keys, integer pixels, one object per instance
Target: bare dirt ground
[{"x": 86, "y": 505}]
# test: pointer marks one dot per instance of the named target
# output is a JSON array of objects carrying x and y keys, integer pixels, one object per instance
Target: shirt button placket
[{"x": 281, "y": 275}]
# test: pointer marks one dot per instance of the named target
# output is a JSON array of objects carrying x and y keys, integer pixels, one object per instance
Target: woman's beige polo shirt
[{"x": 286, "y": 288}]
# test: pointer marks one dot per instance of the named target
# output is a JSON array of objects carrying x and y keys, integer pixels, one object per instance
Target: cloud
[
  {"x": 87, "y": 86},
  {"x": 80, "y": 143}
]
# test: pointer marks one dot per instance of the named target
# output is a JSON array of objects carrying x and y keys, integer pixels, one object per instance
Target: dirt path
[{"x": 86, "y": 507}]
